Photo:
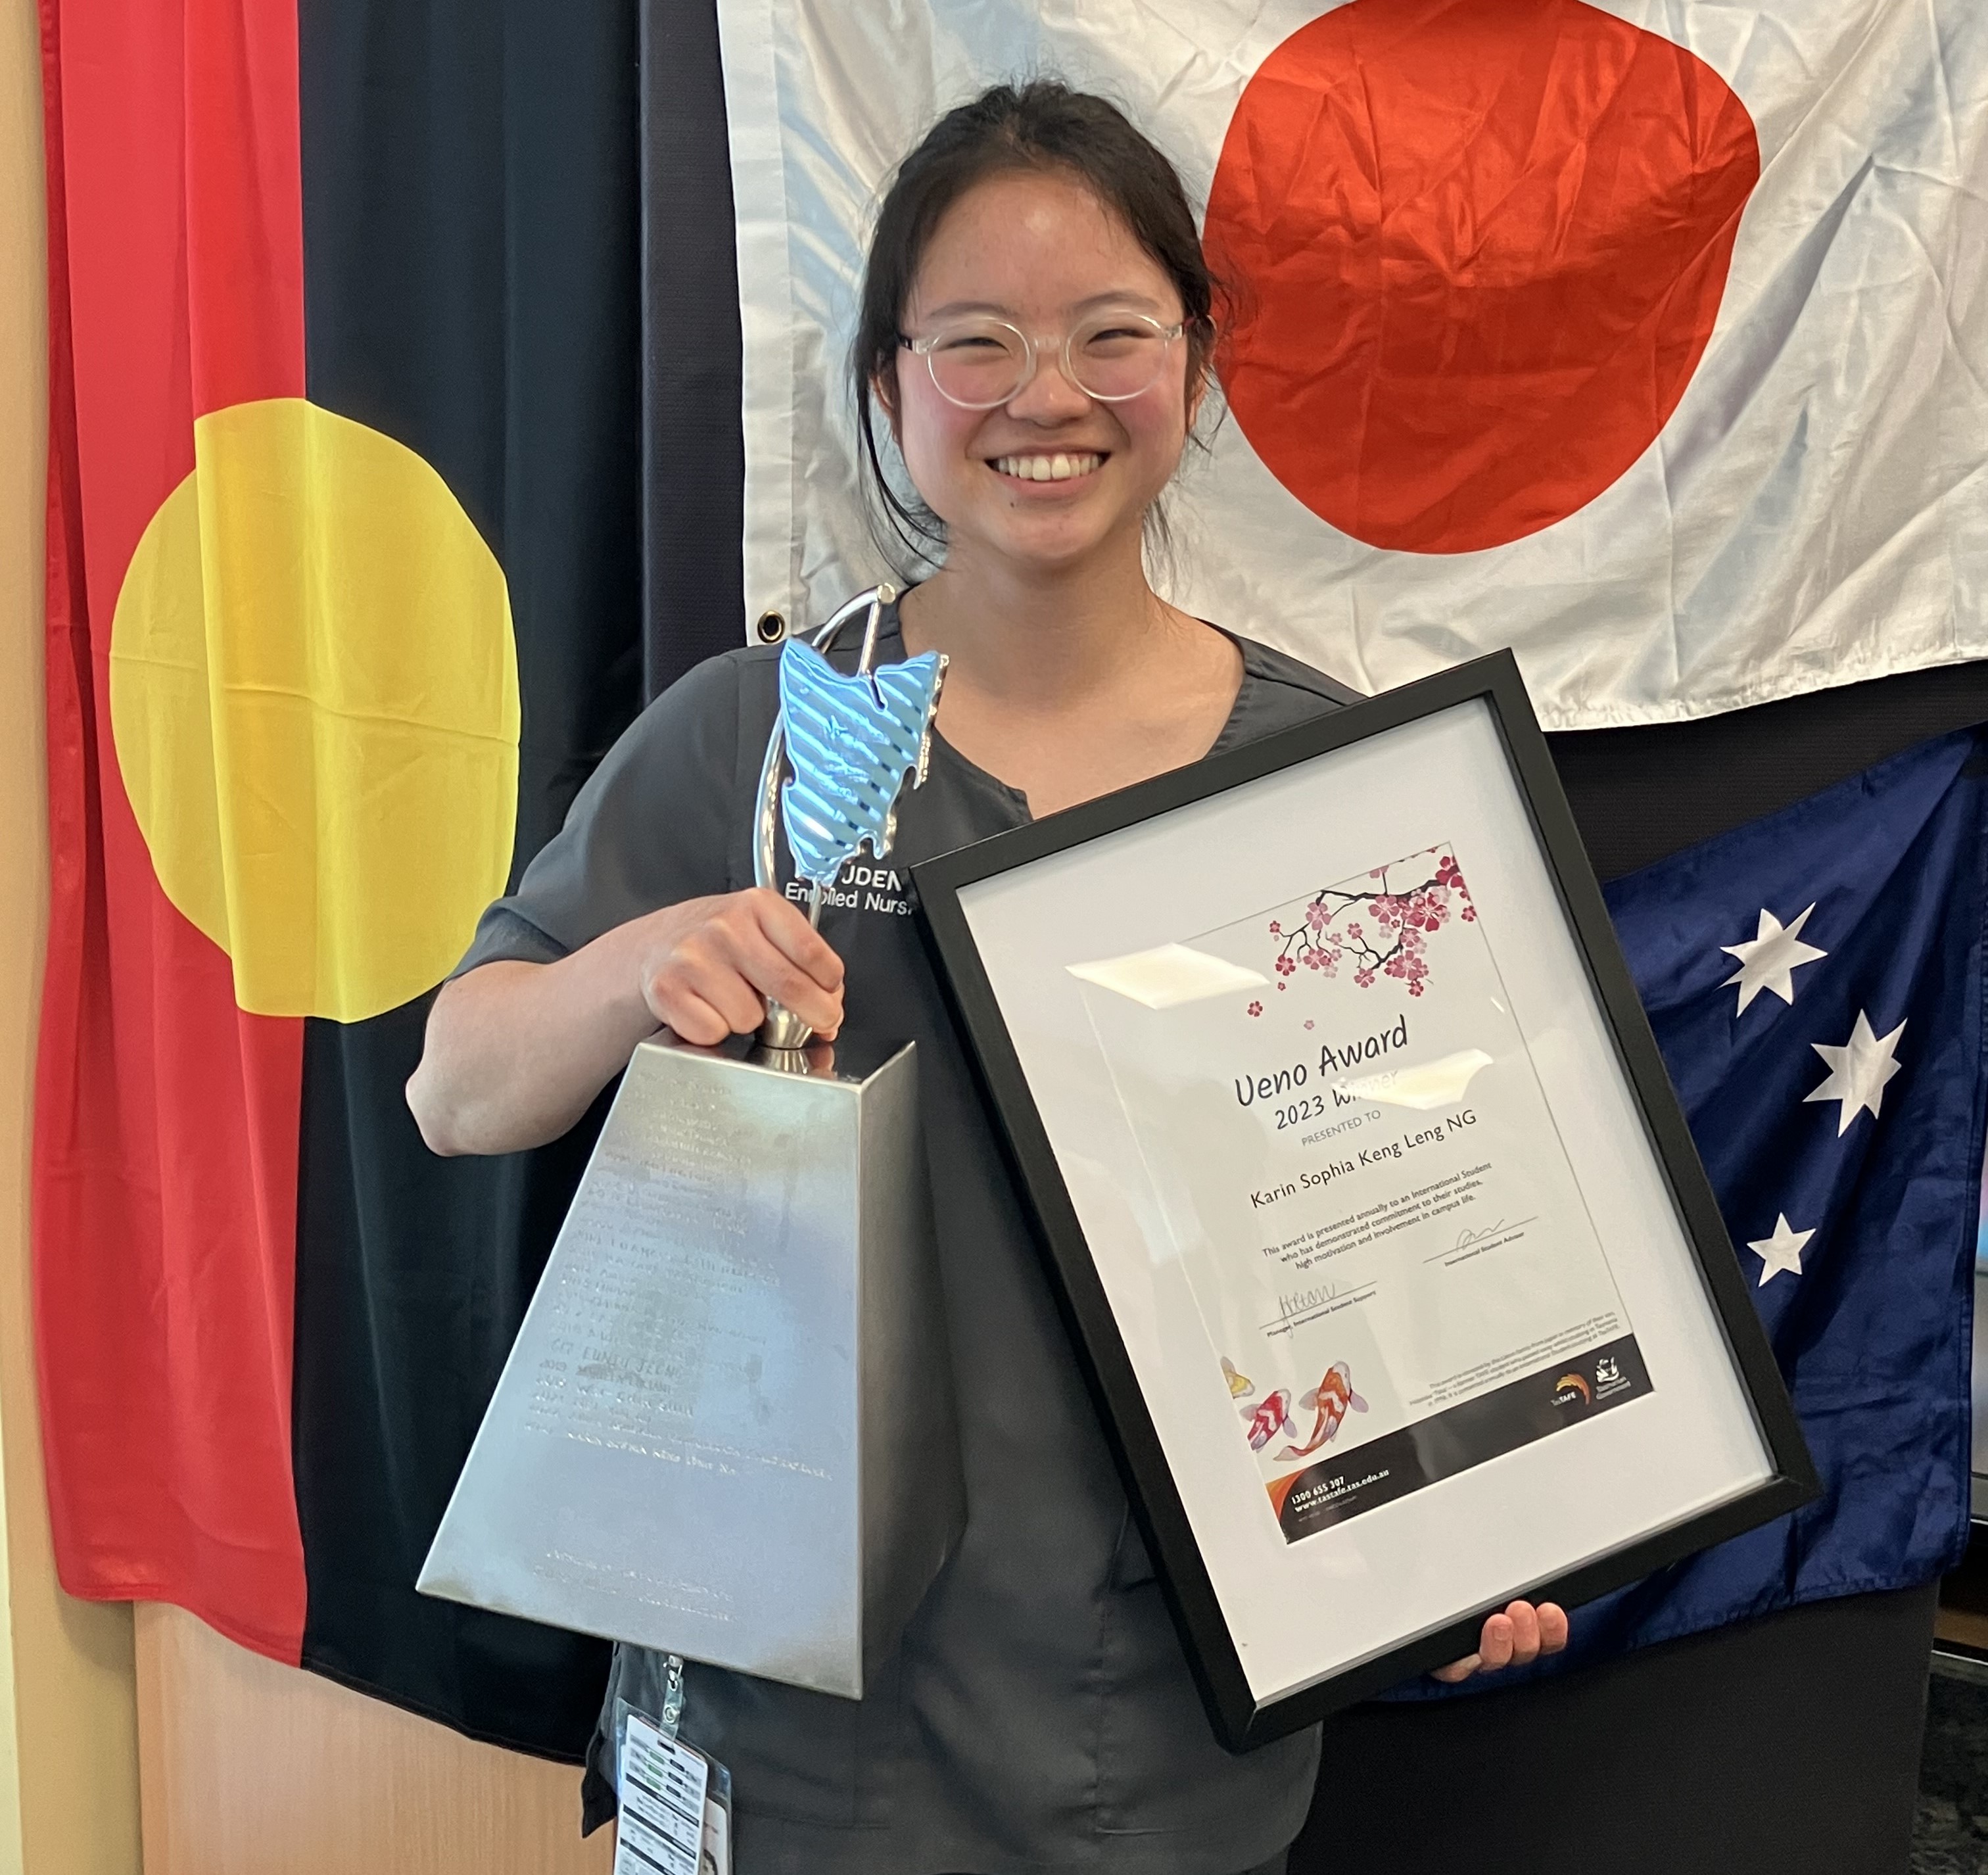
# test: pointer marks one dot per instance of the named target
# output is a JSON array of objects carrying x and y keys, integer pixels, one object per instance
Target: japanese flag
[{"x": 1650, "y": 339}]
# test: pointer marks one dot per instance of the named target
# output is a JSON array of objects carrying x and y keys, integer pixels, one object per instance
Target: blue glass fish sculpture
[{"x": 851, "y": 741}]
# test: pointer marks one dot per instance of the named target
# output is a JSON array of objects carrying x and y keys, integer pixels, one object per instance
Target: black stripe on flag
[{"x": 471, "y": 243}]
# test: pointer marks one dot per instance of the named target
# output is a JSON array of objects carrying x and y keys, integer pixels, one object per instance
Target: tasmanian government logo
[{"x": 1609, "y": 1380}]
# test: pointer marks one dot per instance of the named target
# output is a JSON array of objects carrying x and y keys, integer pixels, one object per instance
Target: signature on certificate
[{"x": 1467, "y": 1239}]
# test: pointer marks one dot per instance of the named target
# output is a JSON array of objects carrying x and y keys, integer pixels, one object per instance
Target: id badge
[{"x": 674, "y": 1816}]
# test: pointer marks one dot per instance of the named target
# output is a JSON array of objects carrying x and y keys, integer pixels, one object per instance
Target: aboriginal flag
[{"x": 343, "y": 605}]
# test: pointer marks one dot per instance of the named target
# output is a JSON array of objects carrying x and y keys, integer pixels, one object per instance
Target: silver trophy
[{"x": 726, "y": 1428}]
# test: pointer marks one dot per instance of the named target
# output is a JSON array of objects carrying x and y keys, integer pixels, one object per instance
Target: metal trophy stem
[{"x": 782, "y": 1030}]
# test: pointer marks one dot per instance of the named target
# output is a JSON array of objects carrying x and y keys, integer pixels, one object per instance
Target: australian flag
[{"x": 1815, "y": 981}]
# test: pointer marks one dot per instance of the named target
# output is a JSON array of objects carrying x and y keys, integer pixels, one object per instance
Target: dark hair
[{"x": 1041, "y": 125}]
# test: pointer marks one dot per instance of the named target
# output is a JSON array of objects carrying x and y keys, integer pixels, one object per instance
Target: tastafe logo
[{"x": 1573, "y": 1390}]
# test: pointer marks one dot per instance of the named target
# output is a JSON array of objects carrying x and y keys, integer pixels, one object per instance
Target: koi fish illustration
[
  {"x": 1240, "y": 1386},
  {"x": 1272, "y": 1417},
  {"x": 1330, "y": 1398}
]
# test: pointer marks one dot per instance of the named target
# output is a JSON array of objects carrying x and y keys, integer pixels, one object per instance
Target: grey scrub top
[{"x": 1039, "y": 1713}]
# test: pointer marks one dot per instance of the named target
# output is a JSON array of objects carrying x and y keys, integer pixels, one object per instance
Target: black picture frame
[{"x": 1238, "y": 1718}]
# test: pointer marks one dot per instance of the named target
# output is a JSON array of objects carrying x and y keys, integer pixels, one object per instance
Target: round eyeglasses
[{"x": 979, "y": 364}]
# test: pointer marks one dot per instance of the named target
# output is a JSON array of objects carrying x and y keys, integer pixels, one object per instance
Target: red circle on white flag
[{"x": 1476, "y": 251}]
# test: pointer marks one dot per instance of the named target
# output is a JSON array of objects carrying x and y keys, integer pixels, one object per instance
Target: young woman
[{"x": 1036, "y": 337}]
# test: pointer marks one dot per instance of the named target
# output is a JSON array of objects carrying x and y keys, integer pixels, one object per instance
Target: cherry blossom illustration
[{"x": 1381, "y": 929}]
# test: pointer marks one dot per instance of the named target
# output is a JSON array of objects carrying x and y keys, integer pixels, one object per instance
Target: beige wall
[
  {"x": 68, "y": 1765},
  {"x": 252, "y": 1769}
]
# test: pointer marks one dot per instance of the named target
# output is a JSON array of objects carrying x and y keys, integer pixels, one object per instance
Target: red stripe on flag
[
  {"x": 166, "y": 1119},
  {"x": 244, "y": 221}
]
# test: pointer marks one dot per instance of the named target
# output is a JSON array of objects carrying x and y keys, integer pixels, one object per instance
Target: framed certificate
[{"x": 1378, "y": 1228}]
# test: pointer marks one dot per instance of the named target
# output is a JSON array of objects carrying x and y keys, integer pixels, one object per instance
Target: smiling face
[{"x": 1053, "y": 477}]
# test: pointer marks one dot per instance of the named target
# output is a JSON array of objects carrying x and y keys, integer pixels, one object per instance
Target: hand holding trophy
[{"x": 697, "y": 1444}]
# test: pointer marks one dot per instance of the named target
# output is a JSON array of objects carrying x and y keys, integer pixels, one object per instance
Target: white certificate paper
[{"x": 1365, "y": 1187}]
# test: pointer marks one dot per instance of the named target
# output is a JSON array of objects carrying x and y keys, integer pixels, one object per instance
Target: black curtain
[
  {"x": 693, "y": 450},
  {"x": 472, "y": 240}
]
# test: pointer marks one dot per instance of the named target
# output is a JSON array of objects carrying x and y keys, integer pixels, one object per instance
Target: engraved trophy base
[{"x": 726, "y": 1428}]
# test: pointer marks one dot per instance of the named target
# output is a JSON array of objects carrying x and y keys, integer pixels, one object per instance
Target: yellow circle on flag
[{"x": 314, "y": 698}]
